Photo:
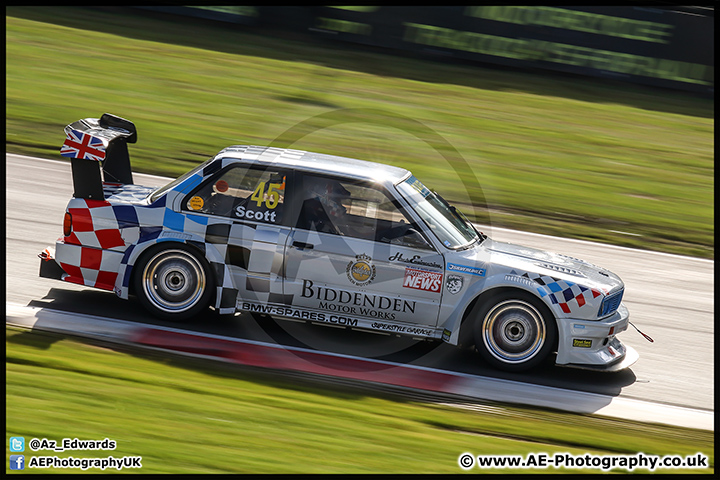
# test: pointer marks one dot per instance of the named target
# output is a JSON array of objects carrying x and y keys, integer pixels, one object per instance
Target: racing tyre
[
  {"x": 173, "y": 283},
  {"x": 514, "y": 331}
]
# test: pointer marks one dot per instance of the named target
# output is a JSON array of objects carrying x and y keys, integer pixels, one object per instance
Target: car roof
[{"x": 315, "y": 162}]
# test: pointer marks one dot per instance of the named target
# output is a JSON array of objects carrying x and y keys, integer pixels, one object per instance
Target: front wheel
[
  {"x": 514, "y": 331},
  {"x": 173, "y": 283}
]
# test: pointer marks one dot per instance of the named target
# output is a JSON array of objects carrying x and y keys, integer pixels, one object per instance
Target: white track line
[{"x": 482, "y": 388}]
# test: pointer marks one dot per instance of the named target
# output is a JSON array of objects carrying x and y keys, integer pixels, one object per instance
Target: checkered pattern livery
[
  {"x": 567, "y": 295},
  {"x": 97, "y": 224},
  {"x": 93, "y": 252},
  {"x": 110, "y": 235},
  {"x": 119, "y": 193},
  {"x": 236, "y": 250},
  {"x": 88, "y": 266},
  {"x": 285, "y": 156}
]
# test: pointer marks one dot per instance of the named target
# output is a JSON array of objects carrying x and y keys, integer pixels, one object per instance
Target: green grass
[
  {"x": 194, "y": 416},
  {"x": 562, "y": 155}
]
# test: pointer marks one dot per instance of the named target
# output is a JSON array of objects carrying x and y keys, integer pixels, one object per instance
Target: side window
[
  {"x": 242, "y": 193},
  {"x": 356, "y": 210}
]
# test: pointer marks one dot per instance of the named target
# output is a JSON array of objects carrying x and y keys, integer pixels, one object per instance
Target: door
[{"x": 355, "y": 252}]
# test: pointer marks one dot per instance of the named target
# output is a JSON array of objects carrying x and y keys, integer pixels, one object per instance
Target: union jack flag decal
[{"x": 82, "y": 145}]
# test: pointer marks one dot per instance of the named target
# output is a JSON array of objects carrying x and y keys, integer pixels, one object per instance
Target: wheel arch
[
  {"x": 186, "y": 268},
  {"x": 150, "y": 247},
  {"x": 466, "y": 327}
]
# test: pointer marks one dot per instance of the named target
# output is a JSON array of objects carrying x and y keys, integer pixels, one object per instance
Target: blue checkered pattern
[
  {"x": 234, "y": 250},
  {"x": 567, "y": 295}
]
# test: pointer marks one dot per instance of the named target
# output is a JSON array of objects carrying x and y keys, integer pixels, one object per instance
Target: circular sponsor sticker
[
  {"x": 361, "y": 271},
  {"x": 221, "y": 186},
  {"x": 196, "y": 203}
]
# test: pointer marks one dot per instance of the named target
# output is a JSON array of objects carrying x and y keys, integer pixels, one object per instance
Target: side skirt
[{"x": 335, "y": 319}]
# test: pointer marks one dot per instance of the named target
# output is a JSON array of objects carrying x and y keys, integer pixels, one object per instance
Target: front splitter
[{"x": 631, "y": 356}]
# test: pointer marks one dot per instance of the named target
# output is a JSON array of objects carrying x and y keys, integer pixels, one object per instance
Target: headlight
[{"x": 610, "y": 304}]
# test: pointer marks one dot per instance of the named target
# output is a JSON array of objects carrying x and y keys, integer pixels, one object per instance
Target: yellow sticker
[
  {"x": 361, "y": 271},
  {"x": 582, "y": 343},
  {"x": 196, "y": 203}
]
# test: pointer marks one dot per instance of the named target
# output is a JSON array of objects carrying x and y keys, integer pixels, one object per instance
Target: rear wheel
[
  {"x": 514, "y": 331},
  {"x": 173, "y": 282}
]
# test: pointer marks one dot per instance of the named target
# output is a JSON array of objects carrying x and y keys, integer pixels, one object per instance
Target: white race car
[{"x": 325, "y": 239}]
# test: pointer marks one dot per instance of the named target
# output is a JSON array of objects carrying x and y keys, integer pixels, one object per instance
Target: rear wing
[{"x": 93, "y": 141}]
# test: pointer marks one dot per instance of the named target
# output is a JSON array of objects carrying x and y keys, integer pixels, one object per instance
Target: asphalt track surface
[{"x": 670, "y": 298}]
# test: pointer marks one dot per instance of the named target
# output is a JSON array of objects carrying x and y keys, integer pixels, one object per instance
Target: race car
[{"x": 325, "y": 239}]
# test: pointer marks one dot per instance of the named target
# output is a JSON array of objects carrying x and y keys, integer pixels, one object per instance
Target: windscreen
[{"x": 444, "y": 221}]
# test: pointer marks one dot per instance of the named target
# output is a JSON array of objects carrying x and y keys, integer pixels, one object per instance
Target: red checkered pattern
[
  {"x": 89, "y": 266},
  {"x": 86, "y": 255},
  {"x": 577, "y": 293},
  {"x": 94, "y": 225},
  {"x": 562, "y": 292}
]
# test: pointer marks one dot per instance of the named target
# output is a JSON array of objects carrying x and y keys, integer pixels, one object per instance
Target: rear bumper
[
  {"x": 49, "y": 268},
  {"x": 92, "y": 267}
]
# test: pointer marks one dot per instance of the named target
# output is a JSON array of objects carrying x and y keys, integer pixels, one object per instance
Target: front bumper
[
  {"x": 594, "y": 344},
  {"x": 630, "y": 357}
]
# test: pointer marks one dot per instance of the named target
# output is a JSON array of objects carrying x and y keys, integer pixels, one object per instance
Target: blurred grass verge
[
  {"x": 185, "y": 415},
  {"x": 562, "y": 155}
]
